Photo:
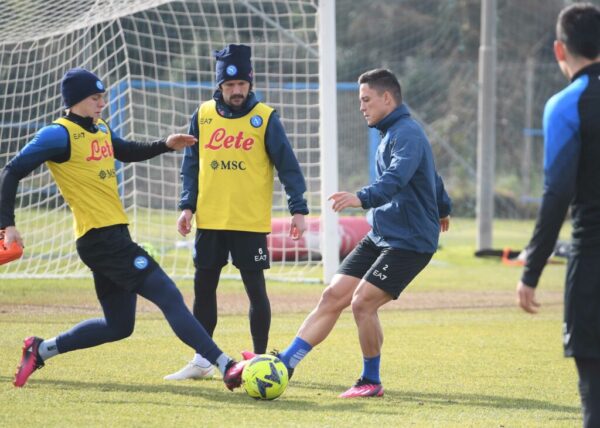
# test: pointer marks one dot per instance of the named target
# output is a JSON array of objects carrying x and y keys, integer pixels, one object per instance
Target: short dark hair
[
  {"x": 578, "y": 27},
  {"x": 382, "y": 79}
]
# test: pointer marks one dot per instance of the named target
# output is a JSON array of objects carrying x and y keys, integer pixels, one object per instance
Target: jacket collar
[
  {"x": 86, "y": 123},
  {"x": 384, "y": 124},
  {"x": 588, "y": 69}
]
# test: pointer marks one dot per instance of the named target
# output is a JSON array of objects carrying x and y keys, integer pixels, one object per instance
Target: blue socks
[
  {"x": 294, "y": 353},
  {"x": 371, "y": 369},
  {"x": 299, "y": 348}
]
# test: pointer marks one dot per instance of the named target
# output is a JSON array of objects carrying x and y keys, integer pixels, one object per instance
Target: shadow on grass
[
  {"x": 196, "y": 390},
  {"x": 321, "y": 402},
  {"x": 450, "y": 399}
]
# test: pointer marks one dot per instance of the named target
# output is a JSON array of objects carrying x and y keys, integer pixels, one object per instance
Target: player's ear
[
  {"x": 388, "y": 98},
  {"x": 560, "y": 51}
]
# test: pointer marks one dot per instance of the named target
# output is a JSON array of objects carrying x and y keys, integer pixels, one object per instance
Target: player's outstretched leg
[
  {"x": 161, "y": 290},
  {"x": 118, "y": 323},
  {"x": 319, "y": 323}
]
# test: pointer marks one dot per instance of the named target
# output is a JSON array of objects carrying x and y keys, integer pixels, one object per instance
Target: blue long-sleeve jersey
[
  {"x": 408, "y": 198},
  {"x": 571, "y": 171},
  {"x": 278, "y": 148},
  {"x": 52, "y": 143}
]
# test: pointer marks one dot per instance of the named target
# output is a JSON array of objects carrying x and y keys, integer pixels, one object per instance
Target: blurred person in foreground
[{"x": 572, "y": 179}]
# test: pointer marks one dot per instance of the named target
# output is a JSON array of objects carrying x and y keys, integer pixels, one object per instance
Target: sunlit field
[{"x": 457, "y": 352}]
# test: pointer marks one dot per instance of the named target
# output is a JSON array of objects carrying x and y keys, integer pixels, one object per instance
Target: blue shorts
[
  {"x": 390, "y": 269},
  {"x": 116, "y": 261}
]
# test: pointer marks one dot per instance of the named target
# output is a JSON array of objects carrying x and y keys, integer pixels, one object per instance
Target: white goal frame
[{"x": 93, "y": 34}]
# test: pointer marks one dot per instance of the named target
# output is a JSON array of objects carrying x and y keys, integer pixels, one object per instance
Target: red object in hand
[{"x": 13, "y": 252}]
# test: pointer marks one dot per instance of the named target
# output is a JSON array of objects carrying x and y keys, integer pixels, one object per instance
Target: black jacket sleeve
[
  {"x": 135, "y": 151},
  {"x": 190, "y": 168}
]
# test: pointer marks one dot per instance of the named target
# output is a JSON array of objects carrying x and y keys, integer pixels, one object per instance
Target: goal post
[
  {"x": 156, "y": 59},
  {"x": 329, "y": 159}
]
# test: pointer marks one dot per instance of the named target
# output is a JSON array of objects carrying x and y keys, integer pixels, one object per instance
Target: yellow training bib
[
  {"x": 88, "y": 180},
  {"x": 235, "y": 183}
]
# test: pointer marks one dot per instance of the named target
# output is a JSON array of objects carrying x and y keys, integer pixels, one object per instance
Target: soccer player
[
  {"x": 80, "y": 150},
  {"x": 408, "y": 207},
  {"x": 572, "y": 178},
  {"x": 228, "y": 184}
]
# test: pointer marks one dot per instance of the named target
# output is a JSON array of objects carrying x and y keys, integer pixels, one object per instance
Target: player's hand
[
  {"x": 11, "y": 234},
  {"x": 526, "y": 298},
  {"x": 445, "y": 224},
  {"x": 184, "y": 222},
  {"x": 180, "y": 141},
  {"x": 297, "y": 226},
  {"x": 343, "y": 200}
]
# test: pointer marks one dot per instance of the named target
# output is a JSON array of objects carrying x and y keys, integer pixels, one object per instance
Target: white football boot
[{"x": 193, "y": 371}]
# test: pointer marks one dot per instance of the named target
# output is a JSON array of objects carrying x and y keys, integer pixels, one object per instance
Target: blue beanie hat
[
  {"x": 78, "y": 84},
  {"x": 233, "y": 63}
]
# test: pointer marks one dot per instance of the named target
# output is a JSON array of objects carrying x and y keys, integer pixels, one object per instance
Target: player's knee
[
  {"x": 122, "y": 330},
  {"x": 358, "y": 306},
  {"x": 127, "y": 330},
  {"x": 257, "y": 297},
  {"x": 331, "y": 301},
  {"x": 260, "y": 305},
  {"x": 361, "y": 307}
]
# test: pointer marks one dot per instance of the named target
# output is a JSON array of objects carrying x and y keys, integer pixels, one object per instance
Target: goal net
[{"x": 156, "y": 59}]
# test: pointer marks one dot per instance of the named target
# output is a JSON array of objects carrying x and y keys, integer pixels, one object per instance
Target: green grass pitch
[{"x": 457, "y": 353}]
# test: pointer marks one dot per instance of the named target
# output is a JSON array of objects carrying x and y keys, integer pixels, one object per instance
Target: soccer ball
[{"x": 265, "y": 377}]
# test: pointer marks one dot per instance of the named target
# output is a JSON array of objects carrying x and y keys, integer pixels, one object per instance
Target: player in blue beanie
[
  {"x": 239, "y": 141},
  {"x": 80, "y": 151}
]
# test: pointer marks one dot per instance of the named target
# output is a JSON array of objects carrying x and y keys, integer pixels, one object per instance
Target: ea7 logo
[
  {"x": 205, "y": 120},
  {"x": 380, "y": 275},
  {"x": 260, "y": 257}
]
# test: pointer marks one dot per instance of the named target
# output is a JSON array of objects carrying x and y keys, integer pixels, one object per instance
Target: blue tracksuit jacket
[
  {"x": 408, "y": 197},
  {"x": 571, "y": 172}
]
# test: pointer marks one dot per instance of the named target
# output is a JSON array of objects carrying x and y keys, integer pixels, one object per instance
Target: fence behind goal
[{"x": 156, "y": 58}]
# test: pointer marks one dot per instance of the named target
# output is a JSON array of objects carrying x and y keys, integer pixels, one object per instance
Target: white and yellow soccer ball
[{"x": 265, "y": 377}]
